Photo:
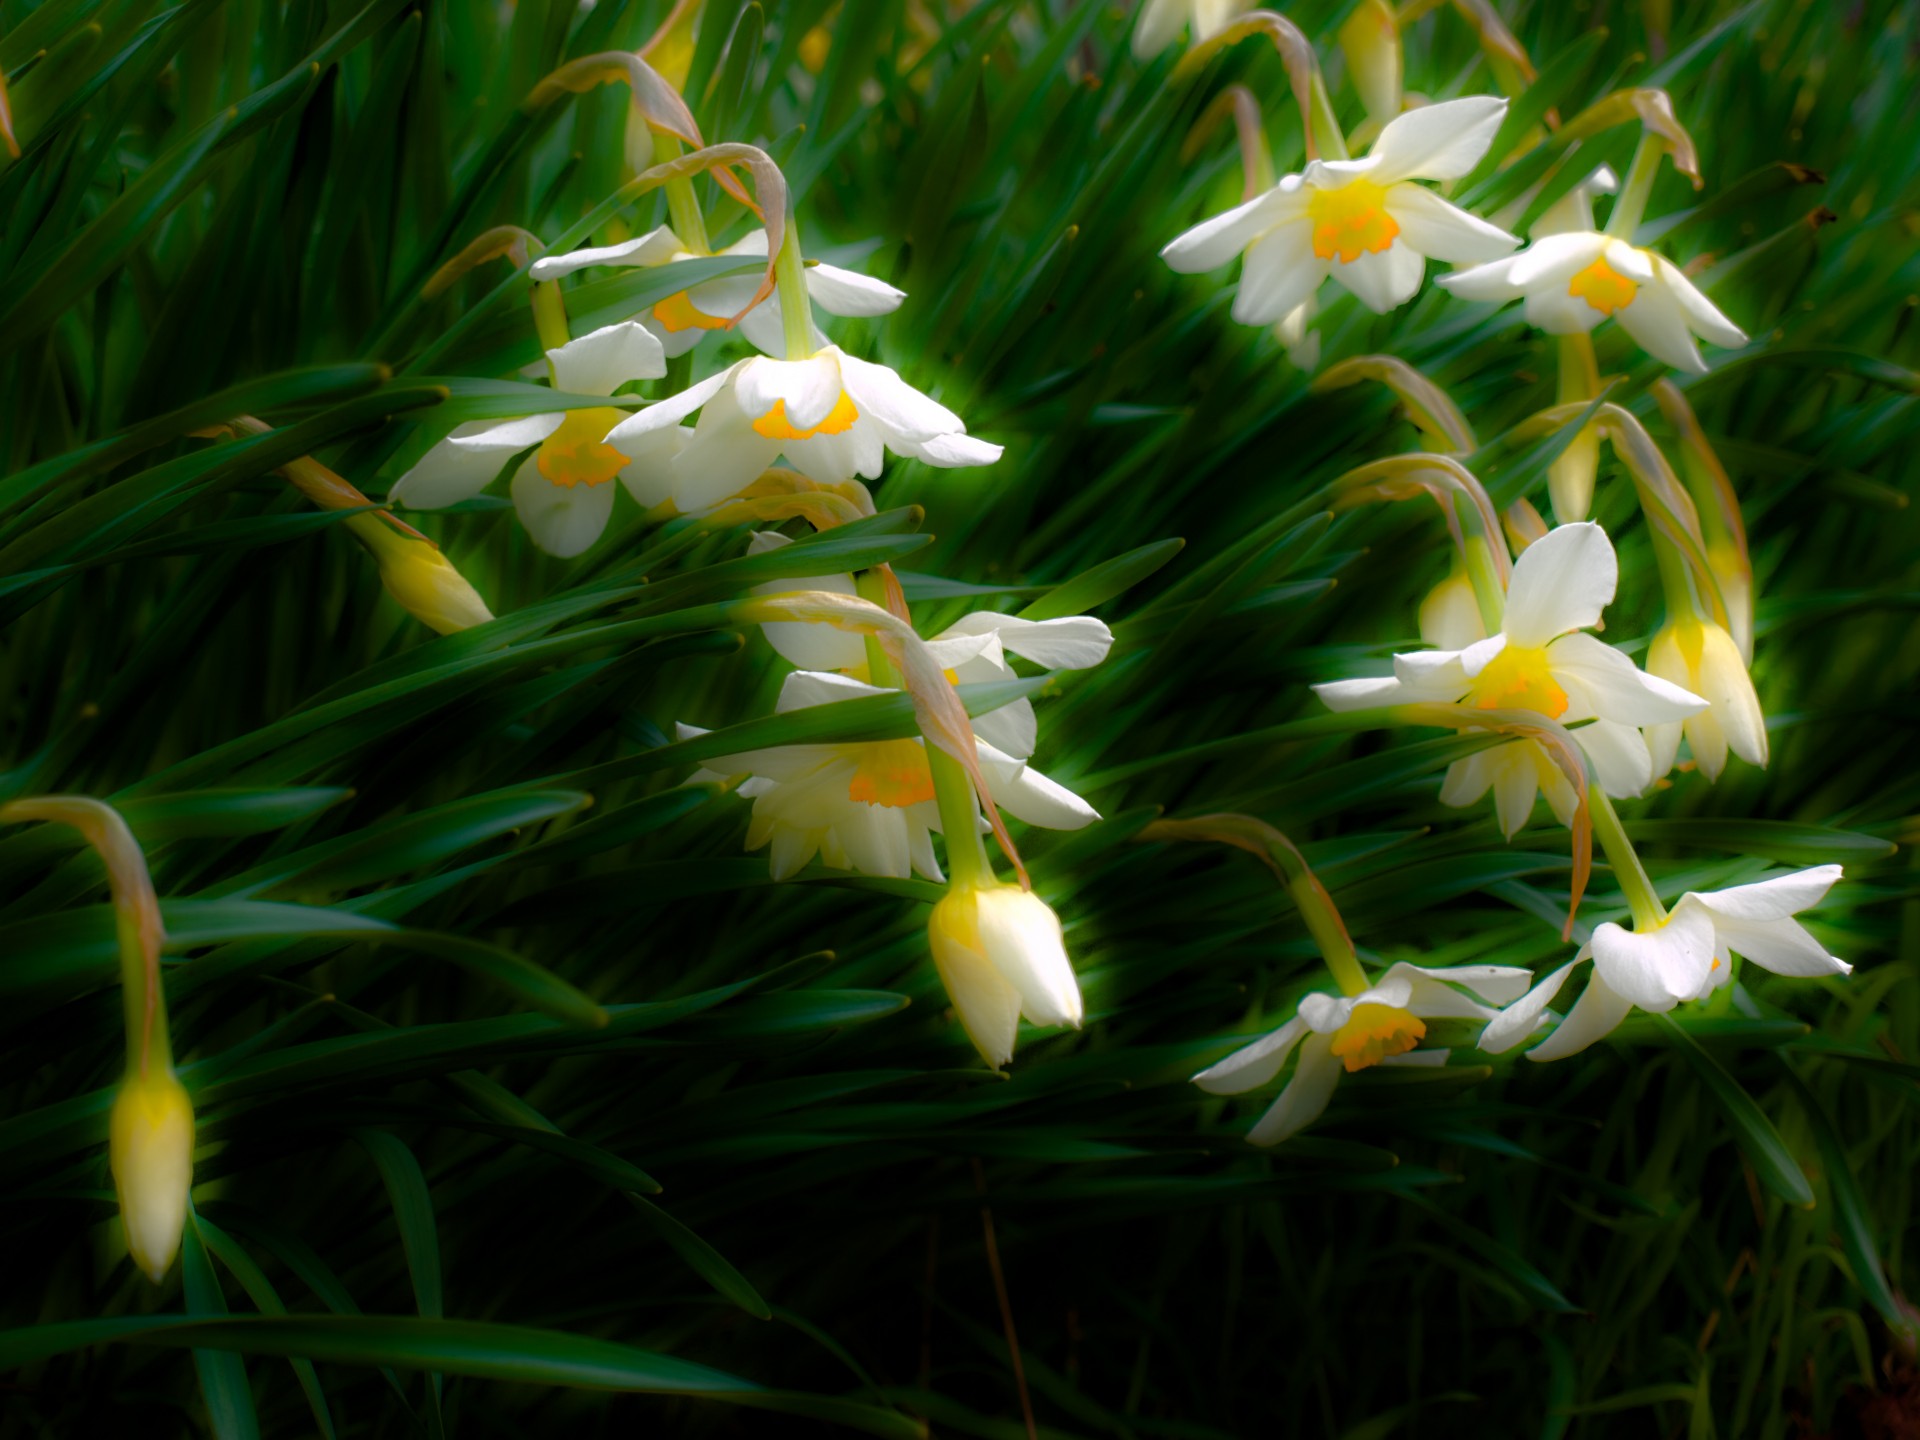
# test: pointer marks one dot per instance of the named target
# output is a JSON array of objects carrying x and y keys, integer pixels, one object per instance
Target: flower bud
[
  {"x": 1371, "y": 41},
  {"x": 151, "y": 1148},
  {"x": 1700, "y": 656},
  {"x": 421, "y": 578},
  {"x": 1001, "y": 954}
]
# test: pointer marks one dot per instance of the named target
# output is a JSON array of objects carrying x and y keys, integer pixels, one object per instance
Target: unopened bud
[
  {"x": 1001, "y": 954},
  {"x": 151, "y": 1148},
  {"x": 421, "y": 578}
]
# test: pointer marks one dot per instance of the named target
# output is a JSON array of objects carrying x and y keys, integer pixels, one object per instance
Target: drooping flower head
[
  {"x": 831, "y": 415},
  {"x": 1002, "y": 955},
  {"x": 1543, "y": 660},
  {"x": 1361, "y": 221},
  {"x": 1685, "y": 956},
  {"x": 563, "y": 491},
  {"x": 1571, "y": 282},
  {"x": 1161, "y": 22},
  {"x": 1383, "y": 1025},
  {"x": 686, "y": 317},
  {"x": 1700, "y": 655}
]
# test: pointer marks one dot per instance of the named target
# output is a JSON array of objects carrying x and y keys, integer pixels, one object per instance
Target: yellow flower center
[
  {"x": 1518, "y": 679},
  {"x": 677, "y": 312},
  {"x": 893, "y": 773},
  {"x": 775, "y": 426},
  {"x": 1375, "y": 1031},
  {"x": 577, "y": 453},
  {"x": 1350, "y": 221},
  {"x": 1603, "y": 287}
]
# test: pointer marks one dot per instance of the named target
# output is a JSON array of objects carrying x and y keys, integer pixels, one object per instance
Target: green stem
[
  {"x": 796, "y": 306},
  {"x": 1326, "y": 129},
  {"x": 960, "y": 820},
  {"x": 550, "y": 316},
  {"x": 1336, "y": 948},
  {"x": 880, "y": 669},
  {"x": 144, "y": 1003},
  {"x": 1492, "y": 600},
  {"x": 1642, "y": 901},
  {"x": 683, "y": 205},
  {"x": 1571, "y": 476},
  {"x": 1632, "y": 204}
]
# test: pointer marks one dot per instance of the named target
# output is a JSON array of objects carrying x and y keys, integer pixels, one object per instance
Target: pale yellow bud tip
[
  {"x": 1001, "y": 955},
  {"x": 425, "y": 582},
  {"x": 151, "y": 1148}
]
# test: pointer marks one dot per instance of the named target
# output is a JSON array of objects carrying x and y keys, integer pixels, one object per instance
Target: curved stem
[
  {"x": 1632, "y": 204},
  {"x": 1642, "y": 901}
]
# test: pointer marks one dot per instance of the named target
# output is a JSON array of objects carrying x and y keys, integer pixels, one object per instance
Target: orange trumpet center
[
  {"x": 577, "y": 453},
  {"x": 775, "y": 425},
  {"x": 893, "y": 773},
  {"x": 677, "y": 312},
  {"x": 1518, "y": 679},
  {"x": 1375, "y": 1031},
  {"x": 1603, "y": 287},
  {"x": 1351, "y": 221}
]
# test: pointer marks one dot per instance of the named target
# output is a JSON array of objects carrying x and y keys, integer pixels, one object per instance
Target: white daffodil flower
[
  {"x": 831, "y": 415},
  {"x": 1361, "y": 221},
  {"x": 799, "y": 642},
  {"x": 869, "y": 806},
  {"x": 1683, "y": 958},
  {"x": 562, "y": 490},
  {"x": 1380, "y": 1026},
  {"x": 686, "y": 317},
  {"x": 1571, "y": 282},
  {"x": 1161, "y": 22},
  {"x": 1542, "y": 660},
  {"x": 1001, "y": 954},
  {"x": 1699, "y": 655}
]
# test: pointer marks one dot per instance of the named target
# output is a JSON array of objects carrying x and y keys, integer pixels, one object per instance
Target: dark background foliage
[{"x": 226, "y": 207}]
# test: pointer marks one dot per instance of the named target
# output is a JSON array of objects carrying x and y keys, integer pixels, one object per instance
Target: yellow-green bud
[{"x": 151, "y": 1146}]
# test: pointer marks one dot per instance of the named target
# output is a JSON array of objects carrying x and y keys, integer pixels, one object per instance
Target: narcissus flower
[
  {"x": 686, "y": 317},
  {"x": 869, "y": 806},
  {"x": 1572, "y": 282},
  {"x": 150, "y": 1148},
  {"x": 1542, "y": 660},
  {"x": 1361, "y": 221},
  {"x": 831, "y": 415},
  {"x": 1382, "y": 1025},
  {"x": 1680, "y": 958},
  {"x": 1701, "y": 656},
  {"x": 563, "y": 491},
  {"x": 1001, "y": 954},
  {"x": 1161, "y": 22}
]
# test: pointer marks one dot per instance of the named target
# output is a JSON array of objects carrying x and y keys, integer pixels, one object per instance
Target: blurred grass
[{"x": 231, "y": 206}]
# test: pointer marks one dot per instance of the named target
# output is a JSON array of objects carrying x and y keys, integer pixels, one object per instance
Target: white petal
[
  {"x": 1774, "y": 898},
  {"x": 1072, "y": 642},
  {"x": 1032, "y": 798},
  {"x": 1305, "y": 1098},
  {"x": 1383, "y": 279},
  {"x": 1437, "y": 142},
  {"x": 1450, "y": 615},
  {"x": 1343, "y": 695},
  {"x": 900, "y": 410},
  {"x": 1561, "y": 582},
  {"x": 1159, "y": 25},
  {"x": 1467, "y": 779},
  {"x": 847, "y": 292},
  {"x": 1728, "y": 687},
  {"x": 1782, "y": 946},
  {"x": 656, "y": 247},
  {"x": 803, "y": 643},
  {"x": 670, "y": 411},
  {"x": 1594, "y": 1016},
  {"x": 1612, "y": 686},
  {"x": 1012, "y": 729},
  {"x": 1254, "y": 1065},
  {"x": 463, "y": 464},
  {"x": 1492, "y": 281},
  {"x": 600, "y": 362},
  {"x": 1213, "y": 242},
  {"x": 1657, "y": 969},
  {"x": 1516, "y": 784},
  {"x": 1702, "y": 314},
  {"x": 1441, "y": 230},
  {"x": 648, "y": 473},
  {"x": 949, "y": 452},
  {"x": 806, "y": 688},
  {"x": 725, "y": 455},
  {"x": 1021, "y": 936},
  {"x": 1497, "y": 983},
  {"x": 1520, "y": 1019},
  {"x": 809, "y": 389},
  {"x": 1663, "y": 747},
  {"x": 1280, "y": 274},
  {"x": 1620, "y": 759},
  {"x": 562, "y": 519},
  {"x": 988, "y": 1005},
  {"x": 1658, "y": 324}
]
